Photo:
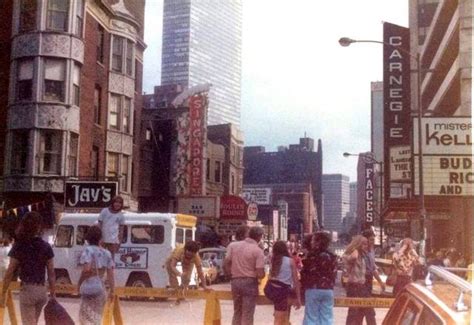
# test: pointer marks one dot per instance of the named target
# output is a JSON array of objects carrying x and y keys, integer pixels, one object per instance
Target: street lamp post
[
  {"x": 345, "y": 41},
  {"x": 368, "y": 157}
]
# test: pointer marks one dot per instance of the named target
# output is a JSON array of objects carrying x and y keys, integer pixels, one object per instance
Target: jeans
[
  {"x": 355, "y": 315},
  {"x": 32, "y": 300},
  {"x": 244, "y": 294},
  {"x": 319, "y": 304}
]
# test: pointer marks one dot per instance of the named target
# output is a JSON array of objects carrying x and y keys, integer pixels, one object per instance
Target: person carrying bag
[{"x": 95, "y": 261}]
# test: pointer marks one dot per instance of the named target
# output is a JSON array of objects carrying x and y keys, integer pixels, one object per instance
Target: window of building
[
  {"x": 208, "y": 169},
  {"x": 100, "y": 43},
  {"x": 124, "y": 174},
  {"x": 54, "y": 75},
  {"x": 129, "y": 58},
  {"x": 232, "y": 183},
  {"x": 117, "y": 53},
  {"x": 76, "y": 77},
  {"x": 72, "y": 157},
  {"x": 19, "y": 152},
  {"x": 115, "y": 108},
  {"x": 27, "y": 15},
  {"x": 97, "y": 103},
  {"x": 50, "y": 152},
  {"x": 64, "y": 236},
  {"x": 95, "y": 162},
  {"x": 79, "y": 18},
  {"x": 24, "y": 86},
  {"x": 148, "y": 134},
  {"x": 217, "y": 172},
  {"x": 122, "y": 48},
  {"x": 127, "y": 105},
  {"x": 57, "y": 15},
  {"x": 112, "y": 164}
]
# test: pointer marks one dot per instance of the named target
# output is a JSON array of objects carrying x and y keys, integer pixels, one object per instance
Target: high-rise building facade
[
  {"x": 202, "y": 44},
  {"x": 70, "y": 100},
  {"x": 336, "y": 200}
]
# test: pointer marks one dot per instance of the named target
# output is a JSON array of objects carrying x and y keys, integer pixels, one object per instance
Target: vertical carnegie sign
[
  {"x": 397, "y": 120},
  {"x": 197, "y": 127}
]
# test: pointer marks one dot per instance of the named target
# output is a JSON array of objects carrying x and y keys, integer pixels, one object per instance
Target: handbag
[
  {"x": 92, "y": 286},
  {"x": 55, "y": 314}
]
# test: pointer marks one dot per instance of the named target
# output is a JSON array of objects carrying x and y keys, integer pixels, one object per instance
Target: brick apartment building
[{"x": 70, "y": 95}]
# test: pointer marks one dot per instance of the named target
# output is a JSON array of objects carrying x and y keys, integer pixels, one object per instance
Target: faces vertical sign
[
  {"x": 369, "y": 194},
  {"x": 197, "y": 136},
  {"x": 397, "y": 121}
]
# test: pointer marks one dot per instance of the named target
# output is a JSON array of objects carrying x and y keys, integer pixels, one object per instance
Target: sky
[{"x": 296, "y": 78}]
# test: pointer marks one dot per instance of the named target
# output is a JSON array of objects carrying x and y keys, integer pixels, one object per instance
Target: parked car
[
  {"x": 215, "y": 256},
  {"x": 210, "y": 272},
  {"x": 445, "y": 299}
]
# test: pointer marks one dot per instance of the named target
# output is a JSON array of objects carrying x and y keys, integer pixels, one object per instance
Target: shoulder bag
[{"x": 92, "y": 286}]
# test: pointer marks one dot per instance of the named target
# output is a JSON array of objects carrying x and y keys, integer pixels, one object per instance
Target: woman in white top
[
  {"x": 283, "y": 278},
  {"x": 95, "y": 261}
]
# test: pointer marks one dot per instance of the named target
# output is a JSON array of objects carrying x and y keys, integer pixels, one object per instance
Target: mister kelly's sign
[{"x": 89, "y": 194}]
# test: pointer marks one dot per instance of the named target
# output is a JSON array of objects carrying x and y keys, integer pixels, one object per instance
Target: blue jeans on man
[{"x": 319, "y": 305}]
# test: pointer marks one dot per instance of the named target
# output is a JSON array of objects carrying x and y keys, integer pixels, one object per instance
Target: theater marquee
[{"x": 447, "y": 156}]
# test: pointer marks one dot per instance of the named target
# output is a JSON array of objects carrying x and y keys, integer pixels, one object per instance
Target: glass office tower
[{"x": 202, "y": 44}]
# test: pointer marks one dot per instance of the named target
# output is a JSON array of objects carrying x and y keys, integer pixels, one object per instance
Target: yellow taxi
[{"x": 442, "y": 299}]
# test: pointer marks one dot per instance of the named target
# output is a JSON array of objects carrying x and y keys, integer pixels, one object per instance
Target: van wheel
[{"x": 139, "y": 281}]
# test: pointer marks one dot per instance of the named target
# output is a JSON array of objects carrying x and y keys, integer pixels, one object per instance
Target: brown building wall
[
  {"x": 93, "y": 73},
  {"x": 137, "y": 117}
]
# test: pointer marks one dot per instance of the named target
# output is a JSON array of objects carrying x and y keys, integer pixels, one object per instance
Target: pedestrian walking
[
  {"x": 245, "y": 262},
  {"x": 33, "y": 257},
  {"x": 283, "y": 280},
  {"x": 404, "y": 261},
  {"x": 355, "y": 264},
  {"x": 319, "y": 275},
  {"x": 371, "y": 272},
  {"x": 110, "y": 219},
  {"x": 189, "y": 258},
  {"x": 96, "y": 262}
]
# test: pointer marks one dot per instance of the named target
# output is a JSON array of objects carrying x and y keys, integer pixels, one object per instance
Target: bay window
[
  {"x": 72, "y": 157},
  {"x": 19, "y": 151},
  {"x": 79, "y": 18},
  {"x": 57, "y": 15},
  {"x": 117, "y": 53},
  {"x": 115, "y": 110},
  {"x": 112, "y": 164},
  {"x": 50, "y": 152},
  {"x": 127, "y": 105},
  {"x": 129, "y": 60},
  {"x": 76, "y": 77},
  {"x": 24, "y": 85},
  {"x": 124, "y": 174},
  {"x": 54, "y": 76},
  {"x": 27, "y": 15},
  {"x": 122, "y": 48}
]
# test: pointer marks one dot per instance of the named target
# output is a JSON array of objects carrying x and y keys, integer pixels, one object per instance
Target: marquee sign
[{"x": 447, "y": 156}]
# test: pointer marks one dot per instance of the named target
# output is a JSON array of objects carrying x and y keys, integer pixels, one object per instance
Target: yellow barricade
[{"x": 212, "y": 313}]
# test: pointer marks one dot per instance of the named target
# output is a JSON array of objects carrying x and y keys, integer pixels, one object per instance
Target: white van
[{"x": 148, "y": 240}]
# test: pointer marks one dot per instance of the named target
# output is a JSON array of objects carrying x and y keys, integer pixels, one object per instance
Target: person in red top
[{"x": 297, "y": 260}]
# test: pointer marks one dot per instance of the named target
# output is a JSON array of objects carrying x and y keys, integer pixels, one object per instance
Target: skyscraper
[
  {"x": 202, "y": 44},
  {"x": 336, "y": 200}
]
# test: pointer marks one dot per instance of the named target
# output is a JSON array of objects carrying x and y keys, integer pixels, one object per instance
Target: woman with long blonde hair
[
  {"x": 355, "y": 262},
  {"x": 404, "y": 261}
]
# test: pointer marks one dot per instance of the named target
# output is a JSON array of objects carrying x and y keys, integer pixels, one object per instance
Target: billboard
[
  {"x": 204, "y": 207},
  {"x": 447, "y": 156},
  {"x": 396, "y": 94},
  {"x": 259, "y": 195},
  {"x": 80, "y": 195}
]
